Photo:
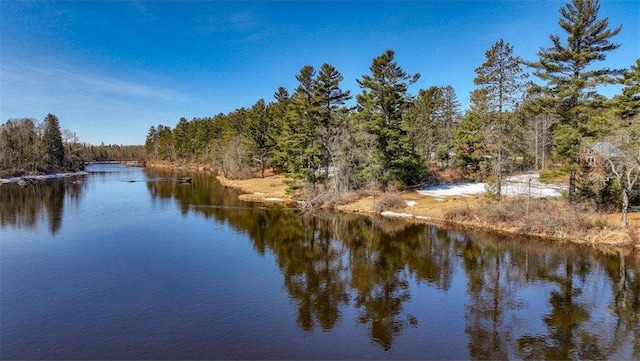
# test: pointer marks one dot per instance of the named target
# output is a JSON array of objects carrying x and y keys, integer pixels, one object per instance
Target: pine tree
[
  {"x": 627, "y": 104},
  {"x": 330, "y": 100},
  {"x": 52, "y": 141},
  {"x": 300, "y": 150},
  {"x": 449, "y": 118},
  {"x": 151, "y": 143},
  {"x": 469, "y": 135},
  {"x": 425, "y": 117},
  {"x": 501, "y": 80},
  {"x": 384, "y": 102},
  {"x": 182, "y": 142},
  {"x": 166, "y": 148},
  {"x": 568, "y": 69},
  {"x": 258, "y": 124},
  {"x": 585, "y": 184},
  {"x": 278, "y": 115}
]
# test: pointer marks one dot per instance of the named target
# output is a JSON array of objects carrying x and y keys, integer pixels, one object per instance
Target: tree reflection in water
[
  {"x": 520, "y": 298},
  {"x": 332, "y": 261},
  {"x": 25, "y": 207}
]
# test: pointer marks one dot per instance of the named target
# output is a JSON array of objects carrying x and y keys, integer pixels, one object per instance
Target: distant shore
[{"x": 42, "y": 177}]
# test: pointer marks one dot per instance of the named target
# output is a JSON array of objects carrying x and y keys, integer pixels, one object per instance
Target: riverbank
[
  {"x": 41, "y": 177},
  {"x": 551, "y": 219}
]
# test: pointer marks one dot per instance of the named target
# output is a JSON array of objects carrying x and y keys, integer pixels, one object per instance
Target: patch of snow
[
  {"x": 457, "y": 189},
  {"x": 411, "y": 203},
  {"x": 10, "y": 180},
  {"x": 523, "y": 184},
  {"x": 423, "y": 218},
  {"x": 259, "y": 193},
  {"x": 273, "y": 199},
  {"x": 396, "y": 215}
]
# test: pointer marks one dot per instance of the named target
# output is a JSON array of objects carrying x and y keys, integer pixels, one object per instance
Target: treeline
[
  {"x": 112, "y": 152},
  {"x": 313, "y": 135},
  {"x": 30, "y": 147},
  {"x": 387, "y": 138}
]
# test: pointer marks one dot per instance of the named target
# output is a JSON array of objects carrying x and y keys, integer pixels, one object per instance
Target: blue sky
[{"x": 110, "y": 70}]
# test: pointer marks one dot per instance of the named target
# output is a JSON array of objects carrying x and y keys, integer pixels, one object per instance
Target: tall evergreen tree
[
  {"x": 301, "y": 152},
  {"x": 183, "y": 144},
  {"x": 52, "y": 141},
  {"x": 151, "y": 143},
  {"x": 330, "y": 100},
  {"x": 277, "y": 132},
  {"x": 568, "y": 69},
  {"x": 384, "y": 102},
  {"x": 501, "y": 79},
  {"x": 258, "y": 125},
  {"x": 166, "y": 148},
  {"x": 450, "y": 117},
  {"x": 433, "y": 116},
  {"x": 468, "y": 139},
  {"x": 425, "y": 115}
]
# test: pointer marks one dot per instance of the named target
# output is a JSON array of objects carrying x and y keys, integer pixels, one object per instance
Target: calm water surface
[{"x": 129, "y": 264}]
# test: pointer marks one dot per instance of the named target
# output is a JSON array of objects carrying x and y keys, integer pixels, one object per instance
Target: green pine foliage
[
  {"x": 52, "y": 142},
  {"x": 608, "y": 197},
  {"x": 586, "y": 187},
  {"x": 385, "y": 102},
  {"x": 627, "y": 104},
  {"x": 569, "y": 70},
  {"x": 500, "y": 84},
  {"x": 469, "y": 138}
]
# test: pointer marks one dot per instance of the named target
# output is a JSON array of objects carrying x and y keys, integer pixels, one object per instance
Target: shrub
[
  {"x": 389, "y": 201},
  {"x": 344, "y": 198},
  {"x": 457, "y": 214}
]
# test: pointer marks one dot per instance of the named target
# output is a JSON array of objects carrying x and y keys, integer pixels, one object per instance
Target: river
[{"x": 128, "y": 263}]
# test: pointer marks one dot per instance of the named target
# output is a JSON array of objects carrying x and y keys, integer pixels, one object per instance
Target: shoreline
[
  {"x": 42, "y": 177},
  {"x": 420, "y": 208},
  {"x": 433, "y": 211}
]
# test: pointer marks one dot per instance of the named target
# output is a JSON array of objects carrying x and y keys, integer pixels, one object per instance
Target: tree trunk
[
  {"x": 537, "y": 141},
  {"x": 544, "y": 142},
  {"x": 625, "y": 208},
  {"x": 572, "y": 186},
  {"x": 499, "y": 176}
]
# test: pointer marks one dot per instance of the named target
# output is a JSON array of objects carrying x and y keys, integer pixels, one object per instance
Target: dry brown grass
[
  {"x": 259, "y": 189},
  {"x": 545, "y": 218},
  {"x": 389, "y": 201},
  {"x": 542, "y": 218}
]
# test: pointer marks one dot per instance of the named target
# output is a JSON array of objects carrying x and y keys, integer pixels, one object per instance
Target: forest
[
  {"x": 28, "y": 147},
  {"x": 541, "y": 114}
]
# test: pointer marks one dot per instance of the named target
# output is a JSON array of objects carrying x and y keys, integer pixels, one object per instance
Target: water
[{"x": 130, "y": 264}]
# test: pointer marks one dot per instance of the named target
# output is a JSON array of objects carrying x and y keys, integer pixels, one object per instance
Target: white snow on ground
[
  {"x": 411, "y": 203},
  {"x": 396, "y": 215},
  {"x": 524, "y": 184}
]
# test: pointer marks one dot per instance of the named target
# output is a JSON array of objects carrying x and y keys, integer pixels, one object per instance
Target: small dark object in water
[
  {"x": 24, "y": 182},
  {"x": 184, "y": 180}
]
